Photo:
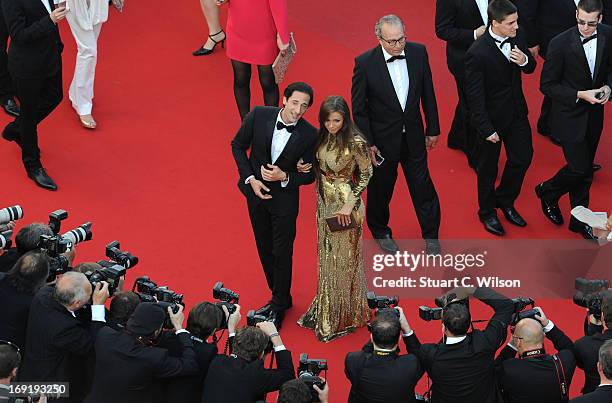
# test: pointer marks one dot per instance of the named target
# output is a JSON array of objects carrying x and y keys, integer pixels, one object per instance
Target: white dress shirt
[
  {"x": 398, "y": 70},
  {"x": 506, "y": 48},
  {"x": 455, "y": 340},
  {"x": 576, "y": 2},
  {"x": 483, "y": 5},
  {"x": 47, "y": 6},
  {"x": 590, "y": 51}
]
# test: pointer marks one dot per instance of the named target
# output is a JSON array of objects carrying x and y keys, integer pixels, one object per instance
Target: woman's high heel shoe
[{"x": 204, "y": 51}]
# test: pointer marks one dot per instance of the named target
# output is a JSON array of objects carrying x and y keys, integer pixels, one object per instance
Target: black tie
[
  {"x": 586, "y": 40},
  {"x": 280, "y": 126},
  {"x": 502, "y": 43},
  {"x": 394, "y": 58}
]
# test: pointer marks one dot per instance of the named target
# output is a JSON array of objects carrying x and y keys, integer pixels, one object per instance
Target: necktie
[
  {"x": 586, "y": 40},
  {"x": 280, "y": 126},
  {"x": 394, "y": 58}
]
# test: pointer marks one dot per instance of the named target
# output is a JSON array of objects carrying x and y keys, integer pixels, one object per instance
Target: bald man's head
[
  {"x": 530, "y": 333},
  {"x": 73, "y": 290}
]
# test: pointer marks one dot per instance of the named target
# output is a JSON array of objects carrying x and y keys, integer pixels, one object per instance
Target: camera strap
[{"x": 561, "y": 378}]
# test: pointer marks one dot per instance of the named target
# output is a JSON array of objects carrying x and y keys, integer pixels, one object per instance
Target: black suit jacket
[
  {"x": 464, "y": 372},
  {"x": 127, "y": 370},
  {"x": 587, "y": 355},
  {"x": 377, "y": 111},
  {"x": 494, "y": 85},
  {"x": 603, "y": 394},
  {"x": 35, "y": 49},
  {"x": 233, "y": 379},
  {"x": 8, "y": 258},
  {"x": 57, "y": 345},
  {"x": 456, "y": 21},
  {"x": 256, "y": 133},
  {"x": 565, "y": 72},
  {"x": 15, "y": 310},
  {"x": 534, "y": 379},
  {"x": 389, "y": 378}
]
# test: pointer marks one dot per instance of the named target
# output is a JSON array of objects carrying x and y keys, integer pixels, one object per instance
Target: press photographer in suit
[
  {"x": 461, "y": 364},
  {"x": 535, "y": 376},
  {"x": 603, "y": 393},
  {"x": 378, "y": 373}
]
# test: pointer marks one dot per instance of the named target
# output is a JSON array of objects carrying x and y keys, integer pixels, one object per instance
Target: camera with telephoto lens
[
  {"x": 253, "y": 318},
  {"x": 382, "y": 302},
  {"x": 428, "y": 313},
  {"x": 9, "y": 214},
  {"x": 55, "y": 245},
  {"x": 125, "y": 259},
  {"x": 5, "y": 239},
  {"x": 520, "y": 313},
  {"x": 227, "y": 298},
  {"x": 112, "y": 271},
  {"x": 148, "y": 291},
  {"x": 308, "y": 372},
  {"x": 589, "y": 294}
]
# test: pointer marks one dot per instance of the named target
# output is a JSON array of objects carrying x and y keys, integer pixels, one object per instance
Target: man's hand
[
  {"x": 303, "y": 167},
  {"x": 606, "y": 97},
  {"x": 590, "y": 96},
  {"x": 494, "y": 138},
  {"x": 344, "y": 215},
  {"x": 517, "y": 56},
  {"x": 593, "y": 320},
  {"x": 480, "y": 31},
  {"x": 8, "y": 226},
  {"x": 535, "y": 51},
  {"x": 541, "y": 317},
  {"x": 273, "y": 173},
  {"x": 430, "y": 141},
  {"x": 403, "y": 321},
  {"x": 259, "y": 188},
  {"x": 100, "y": 294},
  {"x": 233, "y": 319},
  {"x": 323, "y": 393},
  {"x": 281, "y": 46},
  {"x": 176, "y": 318},
  {"x": 58, "y": 14},
  {"x": 267, "y": 327},
  {"x": 373, "y": 152},
  {"x": 219, "y": 2}
]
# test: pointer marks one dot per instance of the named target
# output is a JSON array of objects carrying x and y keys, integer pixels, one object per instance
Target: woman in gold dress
[{"x": 343, "y": 172}]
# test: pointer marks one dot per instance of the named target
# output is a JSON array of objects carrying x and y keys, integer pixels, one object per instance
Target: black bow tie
[
  {"x": 280, "y": 126},
  {"x": 394, "y": 58},
  {"x": 505, "y": 41},
  {"x": 585, "y": 40}
]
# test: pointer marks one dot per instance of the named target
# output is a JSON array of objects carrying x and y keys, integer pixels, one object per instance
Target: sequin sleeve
[{"x": 363, "y": 167}]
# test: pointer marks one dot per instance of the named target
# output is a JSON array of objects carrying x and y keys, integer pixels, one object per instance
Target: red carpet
[{"x": 158, "y": 174}]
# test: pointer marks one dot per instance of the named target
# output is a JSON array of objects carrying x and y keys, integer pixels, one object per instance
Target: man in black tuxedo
[
  {"x": 461, "y": 365},
  {"x": 57, "y": 343},
  {"x": 278, "y": 139},
  {"x": 35, "y": 63},
  {"x": 459, "y": 23},
  {"x": 242, "y": 377},
  {"x": 535, "y": 376},
  {"x": 378, "y": 374},
  {"x": 577, "y": 76},
  {"x": 7, "y": 91},
  {"x": 603, "y": 393},
  {"x": 587, "y": 347},
  {"x": 390, "y": 85},
  {"x": 494, "y": 64}
]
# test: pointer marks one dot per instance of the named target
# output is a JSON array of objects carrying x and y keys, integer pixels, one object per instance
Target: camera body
[
  {"x": 148, "y": 291},
  {"x": 308, "y": 372},
  {"x": 589, "y": 294},
  {"x": 227, "y": 298},
  {"x": 253, "y": 318},
  {"x": 125, "y": 259},
  {"x": 110, "y": 272},
  {"x": 428, "y": 314},
  {"x": 381, "y": 302},
  {"x": 520, "y": 303}
]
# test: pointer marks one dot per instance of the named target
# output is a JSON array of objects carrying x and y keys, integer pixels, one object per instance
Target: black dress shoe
[
  {"x": 596, "y": 167},
  {"x": 41, "y": 178},
  {"x": 550, "y": 209},
  {"x": 583, "y": 229},
  {"x": 11, "y": 107},
  {"x": 513, "y": 216},
  {"x": 493, "y": 225},
  {"x": 387, "y": 244},
  {"x": 10, "y": 133},
  {"x": 432, "y": 247},
  {"x": 264, "y": 310},
  {"x": 279, "y": 316}
]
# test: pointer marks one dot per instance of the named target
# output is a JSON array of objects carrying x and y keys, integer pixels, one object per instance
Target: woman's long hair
[{"x": 335, "y": 103}]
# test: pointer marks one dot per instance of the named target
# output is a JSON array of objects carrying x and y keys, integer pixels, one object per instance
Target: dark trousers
[
  {"x": 462, "y": 134},
  {"x": 422, "y": 192},
  {"x": 6, "y": 84},
  {"x": 576, "y": 176},
  {"x": 544, "y": 119},
  {"x": 38, "y": 98},
  {"x": 519, "y": 152},
  {"x": 274, "y": 236}
]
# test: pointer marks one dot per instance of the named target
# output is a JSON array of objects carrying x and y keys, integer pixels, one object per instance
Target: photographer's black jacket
[
  {"x": 534, "y": 379},
  {"x": 382, "y": 378},
  {"x": 15, "y": 311},
  {"x": 8, "y": 259},
  {"x": 464, "y": 372},
  {"x": 587, "y": 355}
]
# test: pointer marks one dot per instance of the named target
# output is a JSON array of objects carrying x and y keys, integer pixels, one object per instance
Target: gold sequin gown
[{"x": 340, "y": 305}]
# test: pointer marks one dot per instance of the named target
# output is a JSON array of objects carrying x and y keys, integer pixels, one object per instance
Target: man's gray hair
[
  {"x": 390, "y": 19},
  {"x": 70, "y": 288},
  {"x": 605, "y": 359}
]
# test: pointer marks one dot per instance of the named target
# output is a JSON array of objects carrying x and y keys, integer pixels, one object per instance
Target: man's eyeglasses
[
  {"x": 394, "y": 42},
  {"x": 591, "y": 24},
  {"x": 8, "y": 343}
]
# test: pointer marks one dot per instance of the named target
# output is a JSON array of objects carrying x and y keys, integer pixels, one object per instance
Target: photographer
[
  {"x": 57, "y": 343},
  {"x": 27, "y": 239},
  {"x": 461, "y": 365},
  {"x": 535, "y": 376},
  {"x": 122, "y": 307},
  {"x": 296, "y": 391},
  {"x": 587, "y": 347},
  {"x": 203, "y": 321},
  {"x": 378, "y": 373},
  {"x": 17, "y": 290},
  {"x": 241, "y": 377},
  {"x": 603, "y": 393},
  {"x": 128, "y": 363}
]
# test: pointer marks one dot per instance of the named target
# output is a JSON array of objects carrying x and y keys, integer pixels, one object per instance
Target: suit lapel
[
  {"x": 496, "y": 51},
  {"x": 578, "y": 49},
  {"x": 601, "y": 43},
  {"x": 269, "y": 134},
  {"x": 386, "y": 77},
  {"x": 411, "y": 65},
  {"x": 293, "y": 138}
]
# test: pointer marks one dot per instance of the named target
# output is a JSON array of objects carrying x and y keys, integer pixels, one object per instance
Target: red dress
[{"x": 252, "y": 26}]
